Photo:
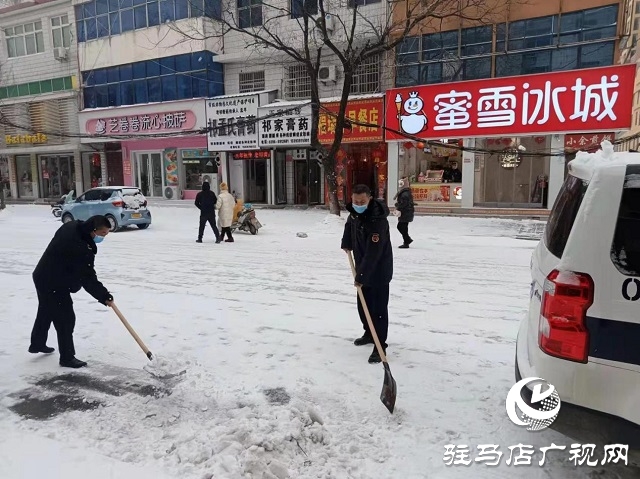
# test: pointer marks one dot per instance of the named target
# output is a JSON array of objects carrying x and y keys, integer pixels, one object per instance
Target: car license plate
[{"x": 136, "y": 215}]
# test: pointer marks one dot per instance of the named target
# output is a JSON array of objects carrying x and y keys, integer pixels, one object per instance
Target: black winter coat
[
  {"x": 206, "y": 201},
  {"x": 68, "y": 263},
  {"x": 367, "y": 235},
  {"x": 405, "y": 205}
]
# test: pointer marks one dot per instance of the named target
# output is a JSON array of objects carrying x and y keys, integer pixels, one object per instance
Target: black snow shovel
[
  {"x": 389, "y": 388},
  {"x": 158, "y": 367}
]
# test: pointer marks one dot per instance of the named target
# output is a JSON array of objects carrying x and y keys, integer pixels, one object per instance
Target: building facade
[
  {"x": 525, "y": 41},
  {"x": 630, "y": 54},
  {"x": 40, "y": 151}
]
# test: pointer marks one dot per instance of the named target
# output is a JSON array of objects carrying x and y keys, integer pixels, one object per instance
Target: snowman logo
[{"x": 412, "y": 119}]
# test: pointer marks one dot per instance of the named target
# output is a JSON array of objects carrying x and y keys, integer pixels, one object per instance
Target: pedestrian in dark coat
[
  {"x": 66, "y": 266},
  {"x": 366, "y": 233},
  {"x": 405, "y": 208},
  {"x": 206, "y": 202}
]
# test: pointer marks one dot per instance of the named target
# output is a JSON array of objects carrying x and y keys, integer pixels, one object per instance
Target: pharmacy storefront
[{"x": 501, "y": 142}]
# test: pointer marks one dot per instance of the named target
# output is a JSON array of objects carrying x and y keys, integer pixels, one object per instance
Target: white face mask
[{"x": 400, "y": 184}]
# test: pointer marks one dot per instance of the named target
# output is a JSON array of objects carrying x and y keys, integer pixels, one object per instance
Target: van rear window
[
  {"x": 563, "y": 214},
  {"x": 625, "y": 249}
]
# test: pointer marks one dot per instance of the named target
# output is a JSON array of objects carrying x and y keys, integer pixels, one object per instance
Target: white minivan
[{"x": 582, "y": 331}]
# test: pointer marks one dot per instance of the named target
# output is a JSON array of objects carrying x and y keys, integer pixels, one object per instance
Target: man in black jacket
[
  {"x": 206, "y": 202},
  {"x": 66, "y": 266},
  {"x": 367, "y": 235}
]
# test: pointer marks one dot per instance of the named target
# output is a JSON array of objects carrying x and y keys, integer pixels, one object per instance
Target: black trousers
[
  {"x": 56, "y": 308},
  {"x": 377, "y": 299},
  {"x": 403, "y": 228},
  {"x": 212, "y": 221},
  {"x": 227, "y": 231}
]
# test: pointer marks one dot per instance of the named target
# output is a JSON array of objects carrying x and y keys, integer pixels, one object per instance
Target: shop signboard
[
  {"x": 147, "y": 123},
  {"x": 232, "y": 123},
  {"x": 286, "y": 125},
  {"x": 590, "y": 100},
  {"x": 35, "y": 139},
  {"x": 587, "y": 140},
  {"x": 252, "y": 155},
  {"x": 369, "y": 111},
  {"x": 170, "y": 162}
]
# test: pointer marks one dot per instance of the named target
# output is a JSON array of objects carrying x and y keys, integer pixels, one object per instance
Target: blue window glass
[
  {"x": 153, "y": 13},
  {"x": 564, "y": 59},
  {"x": 153, "y": 68},
  {"x": 114, "y": 23},
  {"x": 100, "y": 76},
  {"x": 140, "y": 91},
  {"x": 196, "y": 8},
  {"x": 199, "y": 84},
  {"x": 102, "y": 96},
  {"x": 114, "y": 95},
  {"x": 182, "y": 9},
  {"x": 183, "y": 85},
  {"x": 183, "y": 63},
  {"x": 126, "y": 72},
  {"x": 126, "y": 4},
  {"x": 113, "y": 75},
  {"x": 155, "y": 90},
  {"x": 139, "y": 2},
  {"x": 167, "y": 11},
  {"x": 597, "y": 55},
  {"x": 213, "y": 8},
  {"x": 198, "y": 61},
  {"x": 103, "y": 25},
  {"x": 167, "y": 66},
  {"x": 214, "y": 88},
  {"x": 79, "y": 10},
  {"x": 169, "y": 91},
  {"x": 102, "y": 7},
  {"x": 140, "y": 14},
  {"x": 87, "y": 79},
  {"x": 89, "y": 98},
  {"x": 126, "y": 93},
  {"x": 139, "y": 70},
  {"x": 90, "y": 29},
  {"x": 114, "y": 5},
  {"x": 80, "y": 29},
  {"x": 126, "y": 19},
  {"x": 89, "y": 10}
]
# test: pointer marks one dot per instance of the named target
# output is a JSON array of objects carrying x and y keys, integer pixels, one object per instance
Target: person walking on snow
[
  {"x": 225, "y": 204},
  {"x": 366, "y": 233},
  {"x": 206, "y": 202},
  {"x": 66, "y": 266},
  {"x": 404, "y": 211}
]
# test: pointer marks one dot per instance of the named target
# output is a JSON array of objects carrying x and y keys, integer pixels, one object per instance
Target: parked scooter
[
  {"x": 56, "y": 208},
  {"x": 246, "y": 220}
]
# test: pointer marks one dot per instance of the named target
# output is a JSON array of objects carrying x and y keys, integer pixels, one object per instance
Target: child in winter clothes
[{"x": 225, "y": 205}]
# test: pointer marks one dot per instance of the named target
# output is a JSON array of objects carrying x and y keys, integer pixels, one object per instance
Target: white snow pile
[
  {"x": 585, "y": 163},
  {"x": 632, "y": 181},
  {"x": 134, "y": 201},
  {"x": 331, "y": 220},
  {"x": 302, "y": 235}
]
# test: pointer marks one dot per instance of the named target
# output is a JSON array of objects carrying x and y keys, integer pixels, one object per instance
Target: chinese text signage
[
  {"x": 587, "y": 141},
  {"x": 581, "y": 100},
  {"x": 281, "y": 126},
  {"x": 232, "y": 123},
  {"x": 144, "y": 123},
  {"x": 370, "y": 111},
  {"x": 252, "y": 155}
]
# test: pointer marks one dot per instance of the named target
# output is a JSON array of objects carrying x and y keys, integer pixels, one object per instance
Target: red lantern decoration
[
  {"x": 540, "y": 139},
  {"x": 377, "y": 155},
  {"x": 420, "y": 145},
  {"x": 95, "y": 161},
  {"x": 408, "y": 145}
]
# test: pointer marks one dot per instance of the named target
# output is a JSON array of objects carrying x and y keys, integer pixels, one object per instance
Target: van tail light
[
  {"x": 144, "y": 205},
  {"x": 562, "y": 331},
  {"x": 118, "y": 203}
]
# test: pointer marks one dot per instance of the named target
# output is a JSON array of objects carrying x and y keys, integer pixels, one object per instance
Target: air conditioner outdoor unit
[
  {"x": 328, "y": 73},
  {"x": 60, "y": 53},
  {"x": 171, "y": 193}
]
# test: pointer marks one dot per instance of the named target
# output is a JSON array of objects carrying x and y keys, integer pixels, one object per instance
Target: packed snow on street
[{"x": 264, "y": 327}]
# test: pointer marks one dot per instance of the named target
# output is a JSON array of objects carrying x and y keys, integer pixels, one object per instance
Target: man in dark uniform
[
  {"x": 206, "y": 202},
  {"x": 66, "y": 266},
  {"x": 367, "y": 235}
]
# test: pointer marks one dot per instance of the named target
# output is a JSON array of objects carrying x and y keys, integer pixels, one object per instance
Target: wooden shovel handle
[
  {"x": 131, "y": 331},
  {"x": 366, "y": 311}
]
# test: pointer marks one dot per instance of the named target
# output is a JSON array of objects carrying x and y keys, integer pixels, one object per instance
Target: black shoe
[
  {"x": 41, "y": 349},
  {"x": 229, "y": 240},
  {"x": 404, "y": 246},
  {"x": 375, "y": 356},
  {"x": 72, "y": 363},
  {"x": 364, "y": 340},
  {"x": 198, "y": 241},
  {"x": 218, "y": 241}
]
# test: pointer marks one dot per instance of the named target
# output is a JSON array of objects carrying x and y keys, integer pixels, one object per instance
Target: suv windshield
[
  {"x": 625, "y": 249},
  {"x": 563, "y": 214}
]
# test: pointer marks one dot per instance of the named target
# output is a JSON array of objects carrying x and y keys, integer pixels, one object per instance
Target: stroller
[{"x": 245, "y": 218}]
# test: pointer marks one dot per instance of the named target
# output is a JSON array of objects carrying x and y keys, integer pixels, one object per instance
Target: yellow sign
[{"x": 26, "y": 139}]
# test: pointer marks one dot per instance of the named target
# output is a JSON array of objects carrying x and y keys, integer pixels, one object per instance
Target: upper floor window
[
  {"x": 61, "y": 31},
  {"x": 249, "y": 13},
  {"x": 26, "y": 39},
  {"x": 103, "y": 18},
  {"x": 300, "y": 8},
  {"x": 251, "y": 81},
  {"x": 366, "y": 78},
  {"x": 362, "y": 3},
  {"x": 297, "y": 82}
]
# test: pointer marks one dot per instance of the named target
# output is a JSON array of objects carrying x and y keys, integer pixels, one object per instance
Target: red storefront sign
[
  {"x": 370, "y": 111},
  {"x": 252, "y": 155},
  {"x": 584, "y": 141},
  {"x": 594, "y": 99}
]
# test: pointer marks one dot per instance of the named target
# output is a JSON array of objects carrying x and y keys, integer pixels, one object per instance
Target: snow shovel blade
[
  {"x": 162, "y": 369},
  {"x": 389, "y": 389}
]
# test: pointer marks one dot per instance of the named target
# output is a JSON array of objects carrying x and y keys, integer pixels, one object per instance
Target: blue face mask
[
  {"x": 360, "y": 208},
  {"x": 98, "y": 239}
]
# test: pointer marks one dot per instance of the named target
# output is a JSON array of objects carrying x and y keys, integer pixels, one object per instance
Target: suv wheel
[
  {"x": 113, "y": 223},
  {"x": 67, "y": 218}
]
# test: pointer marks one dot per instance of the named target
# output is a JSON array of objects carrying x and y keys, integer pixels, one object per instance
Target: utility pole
[{"x": 2, "y": 204}]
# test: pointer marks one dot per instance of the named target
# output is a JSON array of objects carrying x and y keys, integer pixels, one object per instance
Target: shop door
[
  {"x": 315, "y": 183},
  {"x": 149, "y": 174},
  {"x": 57, "y": 174},
  {"x": 301, "y": 183},
  {"x": 256, "y": 181},
  {"x": 281, "y": 177}
]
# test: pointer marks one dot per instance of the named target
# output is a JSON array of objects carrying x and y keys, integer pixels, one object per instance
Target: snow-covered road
[{"x": 275, "y": 387}]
